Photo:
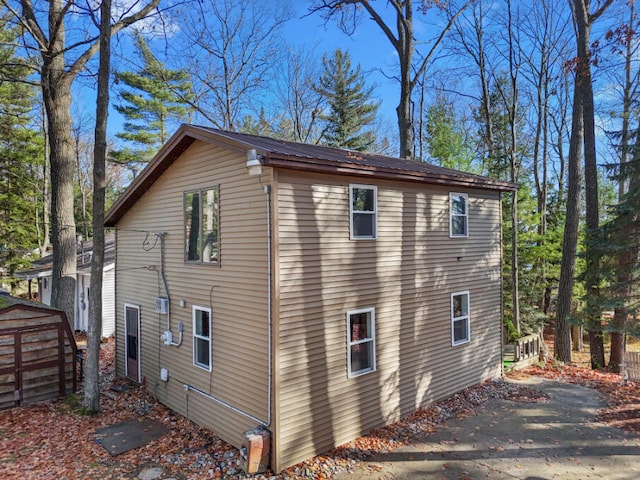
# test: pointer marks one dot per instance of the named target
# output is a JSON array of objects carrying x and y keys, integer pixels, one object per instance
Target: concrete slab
[
  {"x": 556, "y": 439},
  {"x": 124, "y": 436}
]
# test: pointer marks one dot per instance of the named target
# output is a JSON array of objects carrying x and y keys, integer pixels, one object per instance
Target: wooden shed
[{"x": 38, "y": 353}]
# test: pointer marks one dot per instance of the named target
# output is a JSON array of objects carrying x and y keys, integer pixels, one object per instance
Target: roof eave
[
  {"x": 328, "y": 167},
  {"x": 184, "y": 137}
]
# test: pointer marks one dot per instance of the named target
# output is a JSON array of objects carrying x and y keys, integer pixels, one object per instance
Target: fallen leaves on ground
[
  {"x": 623, "y": 401},
  {"x": 52, "y": 440}
]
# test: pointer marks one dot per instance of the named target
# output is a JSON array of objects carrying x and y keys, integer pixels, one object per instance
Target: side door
[{"x": 132, "y": 342}]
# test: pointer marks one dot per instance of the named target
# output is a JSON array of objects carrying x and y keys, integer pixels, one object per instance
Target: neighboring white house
[{"x": 41, "y": 271}]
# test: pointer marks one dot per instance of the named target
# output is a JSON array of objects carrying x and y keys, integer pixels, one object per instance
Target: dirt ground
[{"x": 52, "y": 440}]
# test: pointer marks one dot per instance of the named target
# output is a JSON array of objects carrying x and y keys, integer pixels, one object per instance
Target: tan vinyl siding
[
  {"x": 407, "y": 275},
  {"x": 235, "y": 290}
]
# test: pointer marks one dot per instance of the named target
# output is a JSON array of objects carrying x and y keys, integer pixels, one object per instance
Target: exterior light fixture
[{"x": 254, "y": 164}]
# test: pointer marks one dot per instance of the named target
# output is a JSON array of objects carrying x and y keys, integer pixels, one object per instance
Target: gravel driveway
[{"x": 555, "y": 439}]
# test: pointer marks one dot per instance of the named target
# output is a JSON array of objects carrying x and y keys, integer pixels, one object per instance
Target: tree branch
[{"x": 435, "y": 46}]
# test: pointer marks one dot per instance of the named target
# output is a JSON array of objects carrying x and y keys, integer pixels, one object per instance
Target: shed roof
[
  {"x": 7, "y": 301},
  {"x": 297, "y": 156}
]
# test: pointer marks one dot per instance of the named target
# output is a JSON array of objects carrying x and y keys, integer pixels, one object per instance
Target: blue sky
[{"x": 368, "y": 46}]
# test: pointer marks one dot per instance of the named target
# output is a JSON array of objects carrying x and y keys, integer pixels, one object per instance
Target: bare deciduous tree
[
  {"x": 401, "y": 34},
  {"x": 582, "y": 132},
  {"x": 92, "y": 367},
  {"x": 234, "y": 48}
]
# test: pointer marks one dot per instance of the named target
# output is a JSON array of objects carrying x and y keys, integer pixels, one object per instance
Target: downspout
[{"x": 267, "y": 191}]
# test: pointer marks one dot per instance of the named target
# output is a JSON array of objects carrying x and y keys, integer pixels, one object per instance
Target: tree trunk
[
  {"x": 43, "y": 236},
  {"x": 56, "y": 92},
  {"x": 513, "y": 164},
  {"x": 92, "y": 369},
  {"x": 405, "y": 118},
  {"x": 562, "y": 337},
  {"x": 593, "y": 312},
  {"x": 624, "y": 258}
]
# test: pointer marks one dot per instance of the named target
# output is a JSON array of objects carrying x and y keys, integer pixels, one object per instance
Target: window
[
  {"x": 361, "y": 342},
  {"x": 460, "y": 318},
  {"x": 201, "y": 226},
  {"x": 363, "y": 211},
  {"x": 202, "y": 337},
  {"x": 458, "y": 208}
]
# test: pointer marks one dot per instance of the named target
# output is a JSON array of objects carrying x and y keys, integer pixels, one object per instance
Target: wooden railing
[
  {"x": 527, "y": 347},
  {"x": 631, "y": 367}
]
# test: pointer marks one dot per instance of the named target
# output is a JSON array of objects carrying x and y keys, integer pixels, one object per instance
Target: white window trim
[
  {"x": 209, "y": 339},
  {"x": 372, "y": 340},
  {"x": 352, "y": 235},
  {"x": 467, "y": 316},
  {"x": 466, "y": 214}
]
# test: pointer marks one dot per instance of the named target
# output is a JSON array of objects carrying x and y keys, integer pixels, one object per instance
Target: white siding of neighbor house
[
  {"x": 45, "y": 289},
  {"x": 236, "y": 292},
  {"x": 108, "y": 301},
  {"x": 407, "y": 274},
  {"x": 83, "y": 282}
]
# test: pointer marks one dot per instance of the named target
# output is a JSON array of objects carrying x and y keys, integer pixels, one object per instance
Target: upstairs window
[
  {"x": 201, "y": 226},
  {"x": 361, "y": 342},
  {"x": 202, "y": 337},
  {"x": 460, "y": 328},
  {"x": 458, "y": 208},
  {"x": 363, "y": 205}
]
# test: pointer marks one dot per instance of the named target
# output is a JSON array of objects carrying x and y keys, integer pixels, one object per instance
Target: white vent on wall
[{"x": 162, "y": 305}]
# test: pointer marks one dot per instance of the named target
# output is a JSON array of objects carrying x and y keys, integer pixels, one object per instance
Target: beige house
[{"x": 316, "y": 292}]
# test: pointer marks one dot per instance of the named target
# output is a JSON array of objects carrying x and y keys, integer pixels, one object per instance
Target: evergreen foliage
[
  {"x": 21, "y": 159},
  {"x": 152, "y": 98},
  {"x": 446, "y": 141},
  {"x": 618, "y": 241},
  {"x": 350, "y": 107}
]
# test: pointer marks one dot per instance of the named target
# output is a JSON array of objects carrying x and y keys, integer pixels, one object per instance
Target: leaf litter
[{"x": 52, "y": 440}]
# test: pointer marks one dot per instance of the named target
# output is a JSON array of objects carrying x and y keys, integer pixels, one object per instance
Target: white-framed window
[
  {"x": 363, "y": 211},
  {"x": 460, "y": 327},
  {"x": 202, "y": 337},
  {"x": 202, "y": 225},
  {"x": 361, "y": 341},
  {"x": 459, "y": 215}
]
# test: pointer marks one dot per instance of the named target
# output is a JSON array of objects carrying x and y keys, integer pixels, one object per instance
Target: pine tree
[
  {"x": 153, "y": 97},
  {"x": 349, "y": 102},
  {"x": 618, "y": 242},
  {"x": 21, "y": 157},
  {"x": 445, "y": 139}
]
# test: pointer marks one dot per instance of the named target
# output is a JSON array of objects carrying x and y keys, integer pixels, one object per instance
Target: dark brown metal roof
[{"x": 297, "y": 156}]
